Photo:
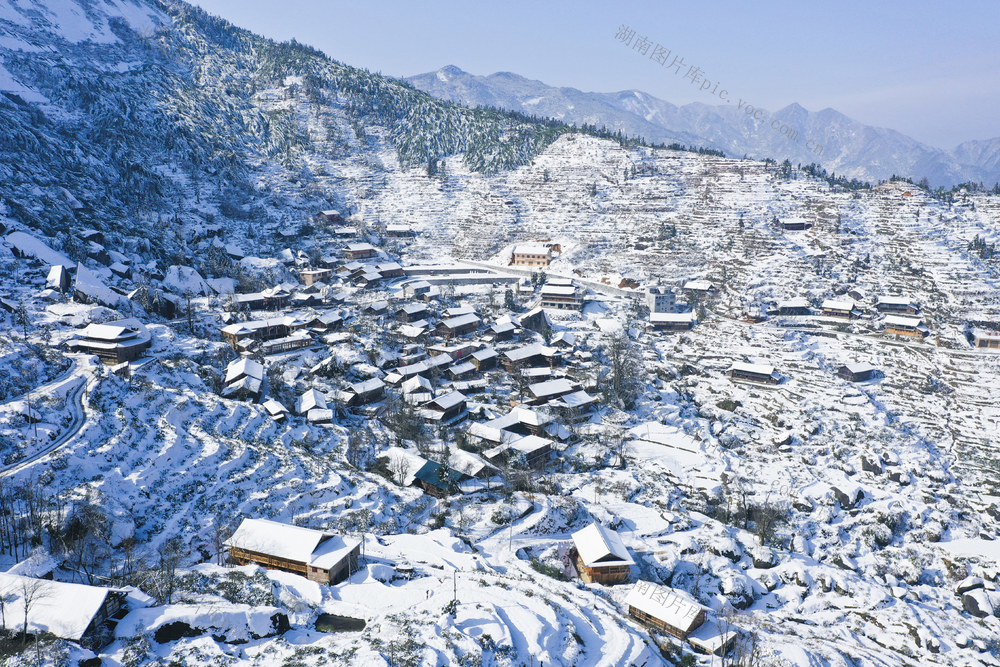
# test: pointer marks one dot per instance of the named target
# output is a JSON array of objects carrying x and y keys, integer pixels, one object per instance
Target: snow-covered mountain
[{"x": 849, "y": 148}]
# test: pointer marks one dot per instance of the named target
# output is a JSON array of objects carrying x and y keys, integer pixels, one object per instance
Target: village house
[
  {"x": 398, "y": 231},
  {"x": 244, "y": 378},
  {"x": 574, "y": 407},
  {"x": 502, "y": 330},
  {"x": 896, "y": 305},
  {"x": 362, "y": 393},
  {"x": 762, "y": 373},
  {"x": 561, "y": 295},
  {"x": 904, "y": 326},
  {"x": 416, "y": 288},
  {"x": 600, "y": 556},
  {"x": 114, "y": 342},
  {"x": 259, "y": 330},
  {"x": 857, "y": 372},
  {"x": 356, "y": 251},
  {"x": 445, "y": 409},
  {"x": 840, "y": 308},
  {"x": 458, "y": 326},
  {"x": 389, "y": 270},
  {"x": 311, "y": 276},
  {"x": 983, "y": 339},
  {"x": 795, "y": 224},
  {"x": 700, "y": 286},
  {"x": 273, "y": 298},
  {"x": 531, "y": 254},
  {"x": 671, "y": 321},
  {"x": 276, "y": 410},
  {"x": 294, "y": 341},
  {"x": 660, "y": 300},
  {"x": 796, "y": 307},
  {"x": 484, "y": 359},
  {"x": 330, "y": 216},
  {"x": 534, "y": 449},
  {"x": 543, "y": 392},
  {"x": 531, "y": 355},
  {"x": 74, "y": 612},
  {"x": 315, "y": 554},
  {"x": 436, "y": 480},
  {"x": 671, "y": 611},
  {"x": 412, "y": 312},
  {"x": 311, "y": 399}
]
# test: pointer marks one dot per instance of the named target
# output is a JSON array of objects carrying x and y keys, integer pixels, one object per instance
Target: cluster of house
[
  {"x": 901, "y": 315},
  {"x": 597, "y": 553}
]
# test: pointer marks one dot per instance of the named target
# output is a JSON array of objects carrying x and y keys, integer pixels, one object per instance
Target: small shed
[{"x": 600, "y": 555}]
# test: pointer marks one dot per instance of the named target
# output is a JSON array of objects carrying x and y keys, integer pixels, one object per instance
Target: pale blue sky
[{"x": 928, "y": 69}]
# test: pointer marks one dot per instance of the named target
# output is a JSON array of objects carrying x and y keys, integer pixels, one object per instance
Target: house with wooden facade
[
  {"x": 447, "y": 408},
  {"x": 458, "y": 326},
  {"x": 904, "y": 326},
  {"x": 358, "y": 251},
  {"x": 671, "y": 611},
  {"x": 74, "y": 612},
  {"x": 796, "y": 307},
  {"x": 114, "y": 342},
  {"x": 600, "y": 555},
  {"x": 762, "y": 373},
  {"x": 896, "y": 305},
  {"x": 857, "y": 372},
  {"x": 244, "y": 378},
  {"x": 362, "y": 393},
  {"x": 436, "y": 480},
  {"x": 842, "y": 308},
  {"x": 671, "y": 321},
  {"x": 315, "y": 554}
]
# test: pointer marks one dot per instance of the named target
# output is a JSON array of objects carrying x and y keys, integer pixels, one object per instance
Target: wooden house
[
  {"x": 857, "y": 372},
  {"x": 531, "y": 355},
  {"x": 294, "y": 341},
  {"x": 257, "y": 330},
  {"x": 446, "y": 408},
  {"x": 114, "y": 342},
  {"x": 761, "y": 373},
  {"x": 700, "y": 286},
  {"x": 362, "y": 393},
  {"x": 600, "y": 556},
  {"x": 244, "y": 378},
  {"x": 315, "y": 554},
  {"x": 671, "y": 611},
  {"x": 311, "y": 399},
  {"x": 357, "y": 251},
  {"x": 904, "y": 326},
  {"x": 518, "y": 422},
  {"x": 795, "y": 225},
  {"x": 531, "y": 254},
  {"x": 416, "y": 288},
  {"x": 796, "y": 307},
  {"x": 896, "y": 305},
  {"x": 484, "y": 359},
  {"x": 412, "y": 312},
  {"x": 330, "y": 217},
  {"x": 842, "y": 308},
  {"x": 398, "y": 231},
  {"x": 535, "y": 451},
  {"x": 437, "y": 480},
  {"x": 671, "y": 321},
  {"x": 458, "y": 326},
  {"x": 542, "y": 392},
  {"x": 74, "y": 612},
  {"x": 389, "y": 270}
]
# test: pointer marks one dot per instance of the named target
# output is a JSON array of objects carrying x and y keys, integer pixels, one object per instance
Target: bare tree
[
  {"x": 6, "y": 596},
  {"x": 32, "y": 592},
  {"x": 399, "y": 466},
  {"x": 170, "y": 557}
]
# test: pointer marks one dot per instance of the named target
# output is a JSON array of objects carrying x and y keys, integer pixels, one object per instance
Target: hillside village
[{"x": 615, "y": 405}]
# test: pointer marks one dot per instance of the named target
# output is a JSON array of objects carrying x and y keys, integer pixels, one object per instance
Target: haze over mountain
[{"x": 848, "y": 147}]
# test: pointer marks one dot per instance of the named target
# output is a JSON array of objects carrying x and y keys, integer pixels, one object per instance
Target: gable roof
[
  {"x": 676, "y": 608},
  {"x": 63, "y": 609},
  {"x": 598, "y": 545},
  {"x": 294, "y": 543}
]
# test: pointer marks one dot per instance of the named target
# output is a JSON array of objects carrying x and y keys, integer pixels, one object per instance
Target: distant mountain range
[{"x": 849, "y": 148}]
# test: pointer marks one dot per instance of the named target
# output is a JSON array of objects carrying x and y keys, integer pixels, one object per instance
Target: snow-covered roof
[
  {"x": 531, "y": 249},
  {"x": 244, "y": 367},
  {"x": 485, "y": 353},
  {"x": 838, "y": 304},
  {"x": 893, "y": 300},
  {"x": 38, "y": 564},
  {"x": 797, "y": 302},
  {"x": 757, "y": 369},
  {"x": 676, "y": 608},
  {"x": 551, "y": 387},
  {"x": 367, "y": 386},
  {"x": 461, "y": 321},
  {"x": 598, "y": 545},
  {"x": 528, "y": 351},
  {"x": 449, "y": 400},
  {"x": 415, "y": 384},
  {"x": 859, "y": 367},
  {"x": 577, "y": 399},
  {"x": 699, "y": 285},
  {"x": 459, "y": 310},
  {"x": 558, "y": 290},
  {"x": 671, "y": 318},
  {"x": 294, "y": 543},
  {"x": 359, "y": 247},
  {"x": 274, "y": 408},
  {"x": 311, "y": 398},
  {"x": 62, "y": 609},
  {"x": 529, "y": 444},
  {"x": 900, "y": 321}
]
